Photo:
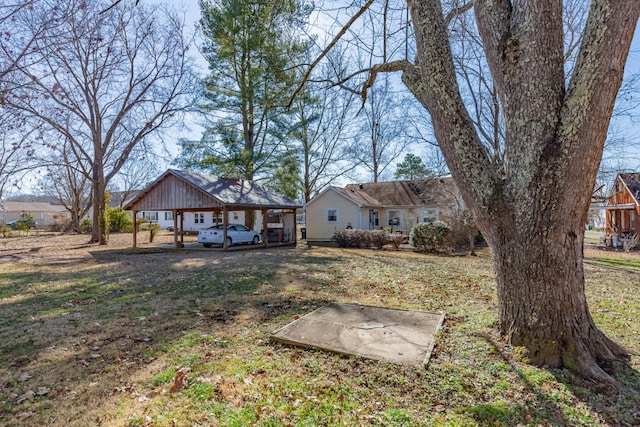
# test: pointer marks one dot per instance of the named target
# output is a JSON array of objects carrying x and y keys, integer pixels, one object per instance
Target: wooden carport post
[
  {"x": 224, "y": 228},
  {"x": 135, "y": 229},
  {"x": 265, "y": 233},
  {"x": 175, "y": 229},
  {"x": 181, "y": 213},
  {"x": 295, "y": 226}
]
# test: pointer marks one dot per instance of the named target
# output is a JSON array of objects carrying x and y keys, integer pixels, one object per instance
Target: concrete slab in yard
[{"x": 397, "y": 336}]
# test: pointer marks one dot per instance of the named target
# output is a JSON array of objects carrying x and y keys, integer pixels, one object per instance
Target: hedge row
[{"x": 367, "y": 239}]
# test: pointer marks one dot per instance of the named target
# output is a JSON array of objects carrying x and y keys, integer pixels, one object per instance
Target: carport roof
[{"x": 227, "y": 192}]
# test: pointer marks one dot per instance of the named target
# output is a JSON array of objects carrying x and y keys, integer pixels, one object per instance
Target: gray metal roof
[
  {"x": 229, "y": 192},
  {"x": 237, "y": 192}
]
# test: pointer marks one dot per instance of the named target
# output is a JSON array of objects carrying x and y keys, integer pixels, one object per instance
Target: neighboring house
[
  {"x": 45, "y": 214},
  {"x": 623, "y": 206},
  {"x": 596, "y": 218},
  {"x": 396, "y": 205},
  {"x": 193, "y": 221}
]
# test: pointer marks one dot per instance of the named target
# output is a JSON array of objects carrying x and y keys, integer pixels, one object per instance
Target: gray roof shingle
[{"x": 426, "y": 192}]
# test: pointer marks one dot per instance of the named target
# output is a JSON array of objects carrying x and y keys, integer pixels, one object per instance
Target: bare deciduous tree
[
  {"x": 323, "y": 116},
  {"x": 382, "y": 138},
  {"x": 139, "y": 171},
  {"x": 19, "y": 36},
  {"x": 17, "y": 45},
  {"x": 16, "y": 148},
  {"x": 67, "y": 182},
  {"x": 532, "y": 206},
  {"x": 106, "y": 80},
  {"x": 531, "y": 201}
]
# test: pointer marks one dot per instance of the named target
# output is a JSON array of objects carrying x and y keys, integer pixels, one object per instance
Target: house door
[{"x": 373, "y": 219}]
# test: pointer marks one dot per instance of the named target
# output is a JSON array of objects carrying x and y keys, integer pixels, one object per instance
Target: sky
[{"x": 630, "y": 156}]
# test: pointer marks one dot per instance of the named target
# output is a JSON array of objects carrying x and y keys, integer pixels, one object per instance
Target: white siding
[
  {"x": 318, "y": 228},
  {"x": 209, "y": 220}
]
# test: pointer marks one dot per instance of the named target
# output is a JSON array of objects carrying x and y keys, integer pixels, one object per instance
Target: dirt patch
[{"x": 58, "y": 249}]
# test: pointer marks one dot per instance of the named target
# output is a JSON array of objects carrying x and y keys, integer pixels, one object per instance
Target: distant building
[{"x": 45, "y": 214}]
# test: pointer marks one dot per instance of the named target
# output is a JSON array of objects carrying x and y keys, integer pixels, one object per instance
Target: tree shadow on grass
[
  {"x": 614, "y": 406},
  {"x": 69, "y": 328}
]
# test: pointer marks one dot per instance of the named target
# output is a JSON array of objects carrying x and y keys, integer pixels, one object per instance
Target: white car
[{"x": 236, "y": 234}]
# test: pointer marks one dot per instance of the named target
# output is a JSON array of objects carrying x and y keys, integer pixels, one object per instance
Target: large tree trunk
[
  {"x": 540, "y": 282},
  {"x": 99, "y": 227},
  {"x": 531, "y": 205}
]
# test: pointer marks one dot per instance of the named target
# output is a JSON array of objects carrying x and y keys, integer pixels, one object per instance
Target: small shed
[{"x": 180, "y": 191}]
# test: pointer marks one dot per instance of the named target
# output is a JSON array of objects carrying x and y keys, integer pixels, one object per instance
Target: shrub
[
  {"x": 464, "y": 234},
  {"x": 153, "y": 230},
  {"x": 85, "y": 226},
  {"x": 395, "y": 240},
  {"x": 429, "y": 236},
  {"x": 141, "y": 221},
  {"x": 348, "y": 238},
  {"x": 367, "y": 239},
  {"x": 25, "y": 222},
  {"x": 119, "y": 220},
  {"x": 458, "y": 236},
  {"x": 377, "y": 238}
]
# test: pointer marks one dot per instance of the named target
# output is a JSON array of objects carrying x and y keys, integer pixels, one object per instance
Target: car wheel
[
  {"x": 229, "y": 242},
  {"x": 256, "y": 239},
  {"x": 206, "y": 245}
]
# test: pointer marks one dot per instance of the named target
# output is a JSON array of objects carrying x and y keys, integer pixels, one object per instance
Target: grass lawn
[{"x": 121, "y": 337}]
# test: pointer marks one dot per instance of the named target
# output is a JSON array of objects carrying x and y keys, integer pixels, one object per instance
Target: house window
[
  {"x": 168, "y": 216},
  {"x": 151, "y": 216},
  {"x": 430, "y": 215},
  {"x": 235, "y": 215},
  {"x": 393, "y": 217},
  {"x": 198, "y": 218},
  {"x": 633, "y": 221},
  {"x": 332, "y": 215},
  {"x": 217, "y": 218}
]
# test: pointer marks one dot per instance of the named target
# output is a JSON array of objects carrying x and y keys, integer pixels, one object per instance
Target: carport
[{"x": 180, "y": 192}]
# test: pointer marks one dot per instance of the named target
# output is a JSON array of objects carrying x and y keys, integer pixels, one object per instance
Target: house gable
[
  {"x": 623, "y": 207},
  {"x": 329, "y": 211},
  {"x": 631, "y": 185},
  {"x": 171, "y": 192},
  {"x": 332, "y": 190}
]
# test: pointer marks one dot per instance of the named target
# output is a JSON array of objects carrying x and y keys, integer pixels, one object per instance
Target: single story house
[
  {"x": 45, "y": 214},
  {"x": 623, "y": 206},
  {"x": 395, "y": 205},
  {"x": 198, "y": 201},
  {"x": 193, "y": 221}
]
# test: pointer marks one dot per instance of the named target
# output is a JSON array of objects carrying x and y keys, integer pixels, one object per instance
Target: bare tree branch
[
  {"x": 328, "y": 48},
  {"x": 458, "y": 11}
]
